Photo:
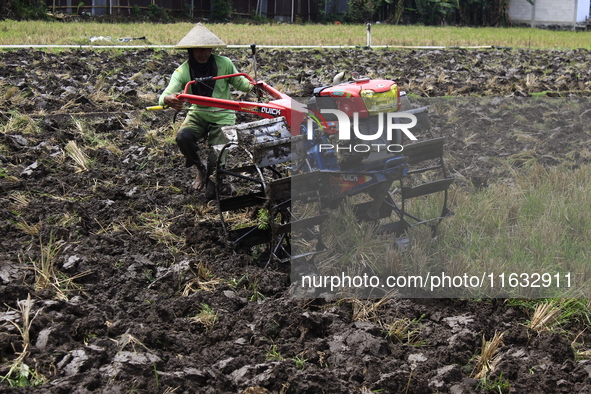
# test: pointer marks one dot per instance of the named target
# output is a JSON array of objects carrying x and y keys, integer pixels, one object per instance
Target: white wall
[
  {"x": 520, "y": 11},
  {"x": 549, "y": 12}
]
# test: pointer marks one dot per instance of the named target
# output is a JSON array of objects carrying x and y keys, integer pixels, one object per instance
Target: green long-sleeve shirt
[{"x": 182, "y": 75}]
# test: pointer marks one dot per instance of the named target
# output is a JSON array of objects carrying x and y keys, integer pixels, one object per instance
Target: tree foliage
[
  {"x": 428, "y": 12},
  {"x": 362, "y": 10},
  {"x": 448, "y": 12},
  {"x": 222, "y": 10},
  {"x": 23, "y": 9}
]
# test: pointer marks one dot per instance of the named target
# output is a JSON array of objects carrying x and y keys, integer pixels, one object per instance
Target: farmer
[{"x": 202, "y": 122}]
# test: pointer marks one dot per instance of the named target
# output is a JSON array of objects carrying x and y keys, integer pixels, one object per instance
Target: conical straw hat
[{"x": 200, "y": 37}]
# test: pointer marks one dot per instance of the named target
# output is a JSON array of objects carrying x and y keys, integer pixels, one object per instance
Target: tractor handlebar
[
  {"x": 156, "y": 108},
  {"x": 279, "y": 105}
]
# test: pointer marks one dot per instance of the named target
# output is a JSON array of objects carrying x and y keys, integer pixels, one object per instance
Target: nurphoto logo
[{"x": 391, "y": 124}]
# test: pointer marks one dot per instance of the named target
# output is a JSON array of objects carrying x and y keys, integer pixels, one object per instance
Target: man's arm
[
  {"x": 178, "y": 80},
  {"x": 240, "y": 83}
]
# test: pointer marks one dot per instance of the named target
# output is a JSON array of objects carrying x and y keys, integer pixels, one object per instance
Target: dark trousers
[{"x": 191, "y": 132}]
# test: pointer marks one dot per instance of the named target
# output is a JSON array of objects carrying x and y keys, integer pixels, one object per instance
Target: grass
[
  {"x": 20, "y": 124},
  {"x": 530, "y": 238},
  {"x": 274, "y": 354},
  {"x": 544, "y": 316},
  {"x": 364, "y": 310},
  {"x": 18, "y": 200},
  {"x": 129, "y": 340},
  {"x": 354, "y": 247},
  {"x": 488, "y": 357},
  {"x": 204, "y": 280},
  {"x": 95, "y": 139},
  {"x": 19, "y": 373},
  {"x": 405, "y": 331},
  {"x": 45, "y": 270},
  {"x": 76, "y": 153},
  {"x": 28, "y": 228},
  {"x": 554, "y": 313},
  {"x": 540, "y": 224},
  {"x": 300, "y": 362},
  {"x": 206, "y": 317},
  {"x": 157, "y": 223},
  {"x": 47, "y": 276},
  {"x": 79, "y": 33},
  {"x": 499, "y": 385},
  {"x": 10, "y": 94},
  {"x": 18, "y": 203}
]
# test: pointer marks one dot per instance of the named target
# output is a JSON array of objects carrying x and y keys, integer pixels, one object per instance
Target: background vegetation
[
  {"x": 427, "y": 12},
  {"x": 79, "y": 33},
  {"x": 431, "y": 12},
  {"x": 23, "y": 9}
]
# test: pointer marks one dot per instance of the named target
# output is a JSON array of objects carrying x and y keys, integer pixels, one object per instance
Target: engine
[{"x": 364, "y": 102}]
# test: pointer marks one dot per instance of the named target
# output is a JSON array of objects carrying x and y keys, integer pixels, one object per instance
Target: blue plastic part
[{"x": 319, "y": 160}]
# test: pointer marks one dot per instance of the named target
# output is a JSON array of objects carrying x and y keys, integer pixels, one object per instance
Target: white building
[{"x": 549, "y": 12}]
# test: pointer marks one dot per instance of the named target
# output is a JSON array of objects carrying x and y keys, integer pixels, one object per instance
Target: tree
[
  {"x": 222, "y": 9},
  {"x": 435, "y": 12},
  {"x": 23, "y": 9}
]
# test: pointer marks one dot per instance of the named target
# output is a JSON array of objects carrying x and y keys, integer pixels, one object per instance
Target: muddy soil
[{"x": 144, "y": 294}]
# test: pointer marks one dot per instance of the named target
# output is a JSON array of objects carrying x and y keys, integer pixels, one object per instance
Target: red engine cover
[
  {"x": 355, "y": 96},
  {"x": 353, "y": 89}
]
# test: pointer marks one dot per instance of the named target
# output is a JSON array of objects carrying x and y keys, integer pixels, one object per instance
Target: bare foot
[{"x": 199, "y": 180}]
